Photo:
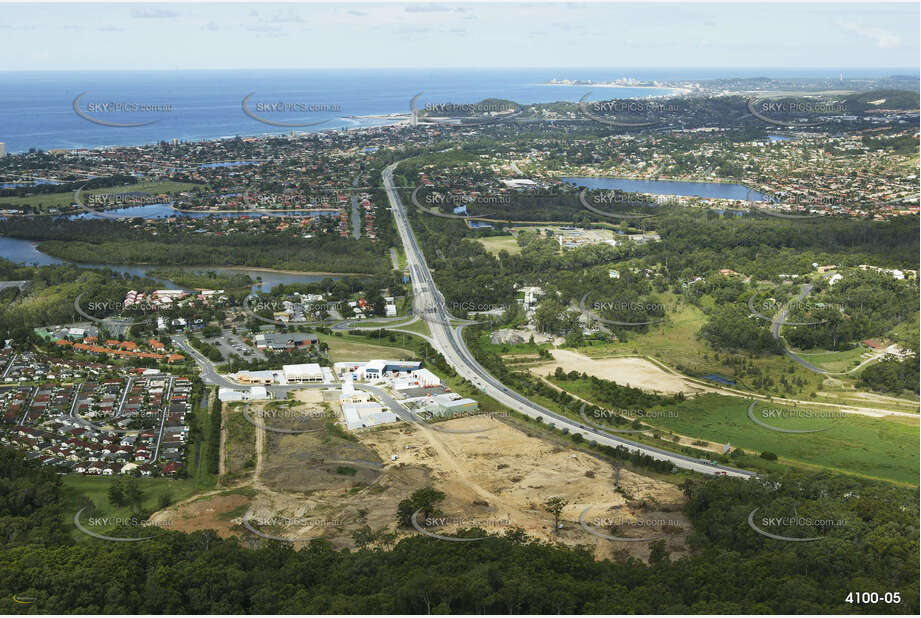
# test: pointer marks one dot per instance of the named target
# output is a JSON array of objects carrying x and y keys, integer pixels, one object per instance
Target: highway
[
  {"x": 447, "y": 339},
  {"x": 356, "y": 217}
]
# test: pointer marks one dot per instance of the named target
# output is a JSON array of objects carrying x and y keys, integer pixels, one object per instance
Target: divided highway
[{"x": 447, "y": 339}]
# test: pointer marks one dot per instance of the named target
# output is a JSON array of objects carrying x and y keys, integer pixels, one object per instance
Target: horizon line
[{"x": 473, "y": 68}]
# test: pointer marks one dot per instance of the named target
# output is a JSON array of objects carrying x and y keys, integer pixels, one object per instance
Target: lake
[
  {"x": 25, "y": 252},
  {"x": 227, "y": 164},
  {"x": 728, "y": 191}
]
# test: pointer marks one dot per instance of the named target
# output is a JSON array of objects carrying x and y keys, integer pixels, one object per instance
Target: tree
[
  {"x": 618, "y": 466},
  {"x": 658, "y": 553},
  {"x": 116, "y": 494},
  {"x": 555, "y": 506},
  {"x": 165, "y": 499},
  {"x": 133, "y": 494},
  {"x": 422, "y": 500}
]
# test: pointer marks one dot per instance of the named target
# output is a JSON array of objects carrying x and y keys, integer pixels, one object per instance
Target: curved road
[
  {"x": 778, "y": 323},
  {"x": 449, "y": 341}
]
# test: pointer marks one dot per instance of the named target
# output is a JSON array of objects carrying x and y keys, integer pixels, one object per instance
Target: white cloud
[
  {"x": 152, "y": 13},
  {"x": 428, "y": 8},
  {"x": 883, "y": 38},
  {"x": 289, "y": 16},
  {"x": 253, "y": 28}
]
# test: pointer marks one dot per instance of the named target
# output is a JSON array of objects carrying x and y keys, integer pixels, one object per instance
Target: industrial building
[
  {"x": 255, "y": 393},
  {"x": 417, "y": 383},
  {"x": 305, "y": 373},
  {"x": 280, "y": 342},
  {"x": 375, "y": 369},
  {"x": 268, "y": 376},
  {"x": 368, "y": 414},
  {"x": 352, "y": 396},
  {"x": 450, "y": 404}
]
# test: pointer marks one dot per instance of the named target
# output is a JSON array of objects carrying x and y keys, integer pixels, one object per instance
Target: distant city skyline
[{"x": 69, "y": 37}]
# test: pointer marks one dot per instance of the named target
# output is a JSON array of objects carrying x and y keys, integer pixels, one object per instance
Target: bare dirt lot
[
  {"x": 502, "y": 477},
  {"x": 631, "y": 371},
  {"x": 213, "y": 511},
  {"x": 326, "y": 482}
]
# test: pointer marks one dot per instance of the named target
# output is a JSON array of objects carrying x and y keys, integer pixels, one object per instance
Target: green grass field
[
  {"x": 883, "y": 448},
  {"x": 79, "y": 491},
  {"x": 418, "y": 327},
  {"x": 380, "y": 323},
  {"x": 879, "y": 448},
  {"x": 351, "y": 348},
  {"x": 495, "y": 244},
  {"x": 833, "y": 361},
  {"x": 65, "y": 199}
]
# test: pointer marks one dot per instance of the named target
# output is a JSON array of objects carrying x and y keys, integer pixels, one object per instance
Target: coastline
[
  {"x": 675, "y": 90},
  {"x": 394, "y": 121},
  {"x": 391, "y": 119}
]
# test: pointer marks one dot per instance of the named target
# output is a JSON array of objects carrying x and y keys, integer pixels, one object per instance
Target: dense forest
[{"x": 872, "y": 546}]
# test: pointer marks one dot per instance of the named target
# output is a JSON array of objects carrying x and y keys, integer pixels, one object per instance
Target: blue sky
[{"x": 229, "y": 36}]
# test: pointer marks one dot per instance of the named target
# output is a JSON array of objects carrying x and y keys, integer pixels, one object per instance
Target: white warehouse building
[
  {"x": 368, "y": 414},
  {"x": 256, "y": 393},
  {"x": 302, "y": 374}
]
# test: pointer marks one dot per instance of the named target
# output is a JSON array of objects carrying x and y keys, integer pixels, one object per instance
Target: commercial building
[
  {"x": 418, "y": 383},
  {"x": 350, "y": 395},
  {"x": 269, "y": 376},
  {"x": 279, "y": 342},
  {"x": 303, "y": 373},
  {"x": 256, "y": 393},
  {"x": 450, "y": 404},
  {"x": 375, "y": 369},
  {"x": 369, "y": 414}
]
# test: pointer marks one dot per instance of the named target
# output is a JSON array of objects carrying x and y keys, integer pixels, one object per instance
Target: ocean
[{"x": 36, "y": 107}]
